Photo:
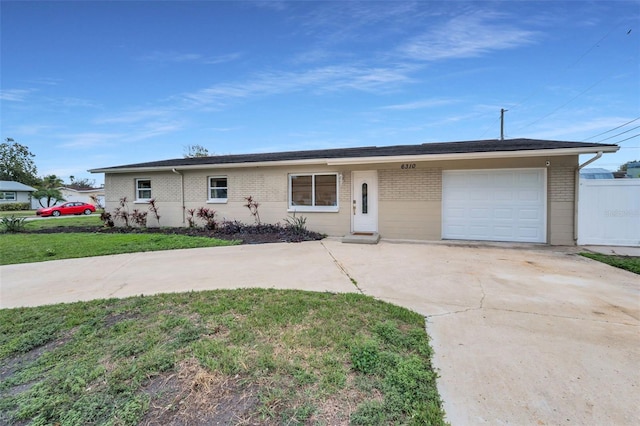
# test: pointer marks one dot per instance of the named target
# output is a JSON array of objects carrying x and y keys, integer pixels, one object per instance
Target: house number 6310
[{"x": 408, "y": 166}]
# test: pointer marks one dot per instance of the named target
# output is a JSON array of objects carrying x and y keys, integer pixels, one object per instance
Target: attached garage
[{"x": 494, "y": 205}]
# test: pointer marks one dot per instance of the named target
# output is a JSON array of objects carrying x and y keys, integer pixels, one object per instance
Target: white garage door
[{"x": 494, "y": 205}]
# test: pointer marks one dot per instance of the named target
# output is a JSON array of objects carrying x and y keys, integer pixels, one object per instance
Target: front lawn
[
  {"x": 18, "y": 213},
  {"x": 26, "y": 248},
  {"x": 630, "y": 263},
  {"x": 218, "y": 357}
]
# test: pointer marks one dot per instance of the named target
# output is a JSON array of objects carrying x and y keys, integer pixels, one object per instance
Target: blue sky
[{"x": 89, "y": 84}]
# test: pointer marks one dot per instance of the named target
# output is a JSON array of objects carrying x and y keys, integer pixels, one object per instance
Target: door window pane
[{"x": 365, "y": 199}]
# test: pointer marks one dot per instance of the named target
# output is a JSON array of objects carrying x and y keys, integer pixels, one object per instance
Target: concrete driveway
[{"x": 521, "y": 335}]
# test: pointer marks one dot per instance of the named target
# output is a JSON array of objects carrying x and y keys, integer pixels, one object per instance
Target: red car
[{"x": 72, "y": 207}]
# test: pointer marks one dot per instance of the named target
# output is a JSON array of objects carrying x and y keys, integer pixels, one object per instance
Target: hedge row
[{"x": 10, "y": 207}]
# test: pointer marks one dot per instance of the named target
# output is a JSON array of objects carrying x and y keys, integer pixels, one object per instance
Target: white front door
[{"x": 364, "y": 206}]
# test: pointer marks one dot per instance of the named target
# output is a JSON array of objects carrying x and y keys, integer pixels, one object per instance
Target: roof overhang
[
  {"x": 471, "y": 156},
  {"x": 372, "y": 160}
]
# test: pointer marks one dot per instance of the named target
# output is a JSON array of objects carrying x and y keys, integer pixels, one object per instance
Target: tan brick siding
[
  {"x": 419, "y": 184},
  {"x": 561, "y": 185}
]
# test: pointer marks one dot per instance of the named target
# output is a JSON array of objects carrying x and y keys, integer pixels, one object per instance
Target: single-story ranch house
[
  {"x": 14, "y": 192},
  {"x": 520, "y": 190}
]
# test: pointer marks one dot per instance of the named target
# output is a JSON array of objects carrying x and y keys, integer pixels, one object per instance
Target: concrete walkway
[{"x": 531, "y": 335}]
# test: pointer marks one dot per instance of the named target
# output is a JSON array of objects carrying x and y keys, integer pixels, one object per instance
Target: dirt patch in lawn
[{"x": 195, "y": 396}]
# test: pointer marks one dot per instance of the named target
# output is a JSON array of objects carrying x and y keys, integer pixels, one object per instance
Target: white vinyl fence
[{"x": 609, "y": 212}]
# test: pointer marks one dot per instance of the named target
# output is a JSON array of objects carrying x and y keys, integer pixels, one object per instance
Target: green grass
[
  {"x": 250, "y": 356},
  {"x": 630, "y": 263},
  {"x": 18, "y": 213},
  {"x": 93, "y": 220},
  {"x": 26, "y": 248}
]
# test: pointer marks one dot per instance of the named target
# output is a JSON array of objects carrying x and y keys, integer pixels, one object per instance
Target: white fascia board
[
  {"x": 315, "y": 161},
  {"x": 469, "y": 156}
]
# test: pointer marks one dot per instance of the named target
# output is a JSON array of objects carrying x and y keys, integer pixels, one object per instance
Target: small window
[
  {"x": 218, "y": 189},
  {"x": 313, "y": 192},
  {"x": 143, "y": 189},
  {"x": 8, "y": 196}
]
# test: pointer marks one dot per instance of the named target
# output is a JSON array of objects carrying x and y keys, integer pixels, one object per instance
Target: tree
[
  {"x": 81, "y": 183},
  {"x": 191, "y": 151},
  {"x": 16, "y": 163},
  {"x": 48, "y": 188},
  {"x": 623, "y": 168}
]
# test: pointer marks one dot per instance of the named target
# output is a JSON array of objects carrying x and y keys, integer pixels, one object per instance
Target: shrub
[
  {"x": 297, "y": 225},
  {"x": 122, "y": 212},
  {"x": 153, "y": 208},
  {"x": 208, "y": 215},
  {"x": 13, "y": 224},
  {"x": 12, "y": 207},
  {"x": 190, "y": 220},
  {"x": 253, "y": 205},
  {"x": 106, "y": 218},
  {"x": 139, "y": 218}
]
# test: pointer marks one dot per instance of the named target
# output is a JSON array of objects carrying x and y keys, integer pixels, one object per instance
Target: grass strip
[
  {"x": 251, "y": 356},
  {"x": 629, "y": 263},
  {"x": 27, "y": 248}
]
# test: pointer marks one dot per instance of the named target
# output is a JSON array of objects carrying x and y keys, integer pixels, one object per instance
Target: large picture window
[
  {"x": 143, "y": 189},
  {"x": 313, "y": 192},
  {"x": 217, "y": 189},
  {"x": 8, "y": 196}
]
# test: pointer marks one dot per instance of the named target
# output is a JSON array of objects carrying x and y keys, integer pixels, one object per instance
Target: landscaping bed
[{"x": 247, "y": 234}]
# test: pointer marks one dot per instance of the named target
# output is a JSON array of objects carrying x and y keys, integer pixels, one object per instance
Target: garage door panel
[
  {"x": 529, "y": 195},
  {"x": 529, "y": 214},
  {"x": 494, "y": 205},
  {"x": 503, "y": 231},
  {"x": 503, "y": 213},
  {"x": 476, "y": 213}
]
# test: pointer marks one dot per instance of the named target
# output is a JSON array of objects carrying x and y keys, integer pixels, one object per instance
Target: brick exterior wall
[
  {"x": 410, "y": 185},
  {"x": 561, "y": 183}
]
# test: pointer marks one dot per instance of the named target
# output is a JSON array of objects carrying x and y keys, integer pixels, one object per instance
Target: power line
[
  {"x": 630, "y": 137},
  {"x": 568, "y": 102},
  {"x": 611, "y": 130},
  {"x": 621, "y": 133},
  {"x": 563, "y": 71}
]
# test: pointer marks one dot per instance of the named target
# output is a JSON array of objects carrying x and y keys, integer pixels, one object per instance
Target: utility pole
[{"x": 502, "y": 111}]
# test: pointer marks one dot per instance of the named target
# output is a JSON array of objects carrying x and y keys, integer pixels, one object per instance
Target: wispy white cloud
[
  {"x": 88, "y": 139},
  {"x": 427, "y": 103},
  {"x": 153, "y": 129},
  {"x": 318, "y": 80},
  {"x": 466, "y": 36},
  {"x": 15, "y": 95},
  {"x": 130, "y": 117},
  {"x": 178, "y": 57}
]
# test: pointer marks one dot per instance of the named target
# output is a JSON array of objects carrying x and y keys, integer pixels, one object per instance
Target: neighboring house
[
  {"x": 595, "y": 173},
  {"x": 633, "y": 169},
  {"x": 513, "y": 190},
  {"x": 14, "y": 192},
  {"x": 76, "y": 193}
]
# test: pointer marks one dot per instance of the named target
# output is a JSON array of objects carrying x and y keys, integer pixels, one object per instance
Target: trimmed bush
[{"x": 12, "y": 207}]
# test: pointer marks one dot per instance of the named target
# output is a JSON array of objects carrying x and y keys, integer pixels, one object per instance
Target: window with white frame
[
  {"x": 143, "y": 189},
  {"x": 8, "y": 195},
  {"x": 313, "y": 192},
  {"x": 217, "y": 189}
]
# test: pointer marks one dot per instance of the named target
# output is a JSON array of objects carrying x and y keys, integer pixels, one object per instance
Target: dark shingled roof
[{"x": 435, "y": 148}]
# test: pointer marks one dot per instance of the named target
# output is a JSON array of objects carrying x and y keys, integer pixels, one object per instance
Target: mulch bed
[{"x": 248, "y": 234}]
